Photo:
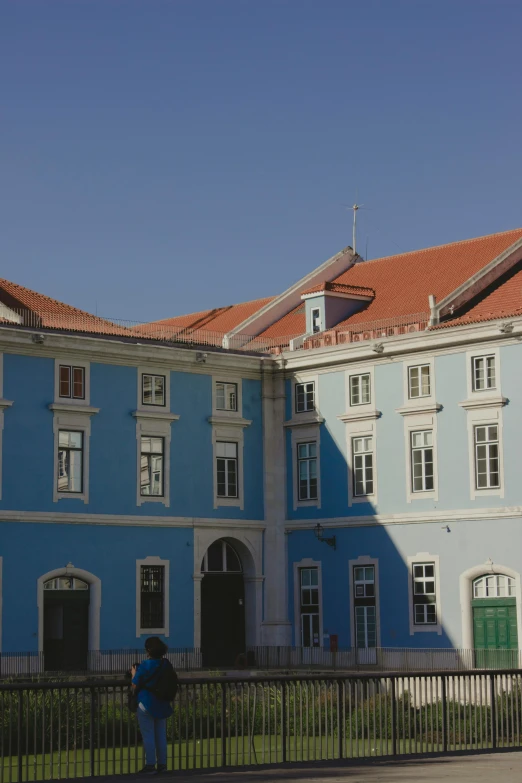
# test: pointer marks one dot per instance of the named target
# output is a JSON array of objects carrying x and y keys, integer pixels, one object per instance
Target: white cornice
[
  {"x": 360, "y": 416},
  {"x": 230, "y": 421},
  {"x": 64, "y": 518},
  {"x": 158, "y": 415},
  {"x": 478, "y": 402},
  {"x": 62, "y": 407},
  {"x": 5, "y": 404},
  {"x": 416, "y": 518},
  {"x": 412, "y": 410},
  {"x": 308, "y": 421},
  {"x": 338, "y": 295}
]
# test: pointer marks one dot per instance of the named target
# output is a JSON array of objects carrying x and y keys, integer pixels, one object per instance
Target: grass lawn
[{"x": 199, "y": 754}]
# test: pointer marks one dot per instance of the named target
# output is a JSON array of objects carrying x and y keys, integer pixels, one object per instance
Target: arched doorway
[
  {"x": 222, "y": 605},
  {"x": 65, "y": 623},
  {"x": 495, "y": 632}
]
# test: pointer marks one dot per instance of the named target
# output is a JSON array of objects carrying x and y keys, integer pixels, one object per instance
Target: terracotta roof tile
[{"x": 291, "y": 325}]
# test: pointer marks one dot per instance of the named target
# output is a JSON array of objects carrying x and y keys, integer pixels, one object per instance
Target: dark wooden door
[
  {"x": 222, "y": 619},
  {"x": 66, "y": 630}
]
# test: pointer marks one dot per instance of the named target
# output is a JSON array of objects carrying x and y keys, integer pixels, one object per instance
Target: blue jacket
[{"x": 157, "y": 708}]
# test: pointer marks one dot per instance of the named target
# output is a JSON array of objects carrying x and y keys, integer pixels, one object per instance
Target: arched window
[
  {"x": 494, "y": 586},
  {"x": 221, "y": 557},
  {"x": 66, "y": 583}
]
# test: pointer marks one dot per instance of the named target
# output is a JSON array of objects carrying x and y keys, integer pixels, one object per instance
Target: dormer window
[{"x": 316, "y": 320}]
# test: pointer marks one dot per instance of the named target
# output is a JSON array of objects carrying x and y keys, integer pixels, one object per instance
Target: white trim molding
[
  {"x": 164, "y": 631},
  {"x": 150, "y": 423},
  {"x": 95, "y": 600},
  {"x": 73, "y": 362},
  {"x": 76, "y": 418},
  {"x": 361, "y": 561},
  {"x": 466, "y": 595},
  {"x": 229, "y": 430},
  {"x": 219, "y": 412},
  {"x": 424, "y": 557},
  {"x": 141, "y": 406},
  {"x": 306, "y": 432},
  {"x": 483, "y": 411},
  {"x": 416, "y": 420},
  {"x": 249, "y": 546},
  {"x": 306, "y": 562}
]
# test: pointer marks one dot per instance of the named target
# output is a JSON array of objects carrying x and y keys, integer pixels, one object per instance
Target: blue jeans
[{"x": 154, "y": 734}]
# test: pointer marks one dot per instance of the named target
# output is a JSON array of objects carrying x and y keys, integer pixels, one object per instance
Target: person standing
[{"x": 155, "y": 685}]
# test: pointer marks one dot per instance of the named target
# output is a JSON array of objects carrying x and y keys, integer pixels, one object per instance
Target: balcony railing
[
  {"x": 111, "y": 662},
  {"x": 68, "y": 730}
]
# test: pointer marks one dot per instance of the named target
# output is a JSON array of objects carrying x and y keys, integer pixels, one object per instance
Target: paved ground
[{"x": 468, "y": 769}]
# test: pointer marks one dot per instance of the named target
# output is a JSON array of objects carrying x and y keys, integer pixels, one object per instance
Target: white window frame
[
  {"x": 419, "y": 368},
  {"x": 156, "y": 454},
  {"x": 73, "y": 401},
  {"x": 4, "y": 405},
  {"x": 422, "y": 450},
  {"x": 219, "y": 413},
  {"x": 361, "y": 562},
  {"x": 226, "y": 384},
  {"x": 68, "y": 417},
  {"x": 359, "y": 375},
  {"x": 236, "y": 460},
  {"x": 482, "y": 417},
  {"x": 428, "y": 399},
  {"x": 423, "y": 558},
  {"x": 141, "y": 406},
  {"x": 486, "y": 443},
  {"x": 475, "y": 360},
  {"x": 154, "y": 424},
  {"x": 415, "y": 421},
  {"x": 230, "y": 432},
  {"x": 304, "y": 416},
  {"x": 368, "y": 495},
  {"x": 306, "y": 563},
  {"x": 304, "y": 384},
  {"x": 305, "y": 434},
  {"x": 153, "y": 561},
  {"x": 318, "y": 320},
  {"x": 307, "y": 459},
  {"x": 483, "y": 395}
]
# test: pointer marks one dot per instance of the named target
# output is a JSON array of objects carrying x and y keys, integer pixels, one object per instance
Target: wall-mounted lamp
[
  {"x": 446, "y": 528},
  {"x": 201, "y": 357},
  {"x": 318, "y": 530},
  {"x": 38, "y": 339},
  {"x": 506, "y": 328},
  {"x": 377, "y": 347}
]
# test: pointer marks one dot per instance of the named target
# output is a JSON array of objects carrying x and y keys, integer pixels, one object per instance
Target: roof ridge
[
  {"x": 438, "y": 247},
  {"x": 19, "y": 287}
]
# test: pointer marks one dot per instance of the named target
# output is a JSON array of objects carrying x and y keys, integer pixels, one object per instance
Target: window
[
  {"x": 422, "y": 461},
  {"x": 360, "y": 389},
  {"x": 362, "y": 450},
  {"x": 70, "y": 461},
  {"x": 419, "y": 384},
  {"x": 487, "y": 456},
  {"x": 304, "y": 397},
  {"x": 424, "y": 596},
  {"x": 152, "y": 594},
  {"x": 71, "y": 382},
  {"x": 494, "y": 586},
  {"x": 220, "y": 558},
  {"x": 307, "y": 471},
  {"x": 365, "y": 607},
  {"x": 153, "y": 389},
  {"x": 309, "y": 608},
  {"x": 226, "y": 456},
  {"x": 226, "y": 396},
  {"x": 483, "y": 373},
  {"x": 151, "y": 466},
  {"x": 316, "y": 319}
]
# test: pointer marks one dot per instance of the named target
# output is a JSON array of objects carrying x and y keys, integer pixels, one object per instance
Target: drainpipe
[{"x": 434, "y": 316}]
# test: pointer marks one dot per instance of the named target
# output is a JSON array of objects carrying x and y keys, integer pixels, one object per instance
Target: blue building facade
[{"x": 359, "y": 493}]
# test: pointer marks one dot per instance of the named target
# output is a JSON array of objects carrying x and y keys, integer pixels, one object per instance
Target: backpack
[{"x": 165, "y": 685}]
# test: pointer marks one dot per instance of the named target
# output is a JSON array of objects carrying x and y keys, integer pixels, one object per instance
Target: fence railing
[
  {"x": 113, "y": 662},
  {"x": 78, "y": 729}
]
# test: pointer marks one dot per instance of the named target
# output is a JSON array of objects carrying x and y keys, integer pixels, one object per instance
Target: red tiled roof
[
  {"x": 43, "y": 311},
  {"x": 501, "y": 300},
  {"x": 340, "y": 288},
  {"x": 290, "y": 325},
  {"x": 403, "y": 282}
]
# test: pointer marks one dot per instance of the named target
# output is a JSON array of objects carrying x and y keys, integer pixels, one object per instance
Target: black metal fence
[
  {"x": 189, "y": 659},
  {"x": 78, "y": 729}
]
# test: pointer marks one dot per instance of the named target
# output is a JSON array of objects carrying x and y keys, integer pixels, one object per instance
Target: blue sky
[{"x": 164, "y": 156}]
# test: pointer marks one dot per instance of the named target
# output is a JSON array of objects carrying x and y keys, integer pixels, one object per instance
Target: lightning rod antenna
[{"x": 354, "y": 237}]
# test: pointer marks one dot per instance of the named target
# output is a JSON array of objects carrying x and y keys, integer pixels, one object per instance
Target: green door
[{"x": 495, "y": 633}]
